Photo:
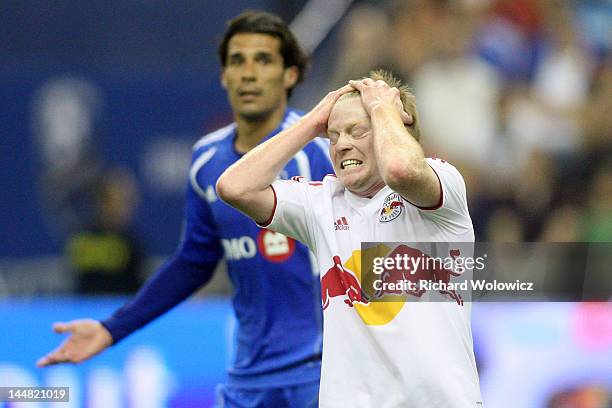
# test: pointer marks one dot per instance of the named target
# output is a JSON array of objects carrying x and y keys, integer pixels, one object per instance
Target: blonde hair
[{"x": 408, "y": 99}]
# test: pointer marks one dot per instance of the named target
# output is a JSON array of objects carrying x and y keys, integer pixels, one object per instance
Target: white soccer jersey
[{"x": 383, "y": 354}]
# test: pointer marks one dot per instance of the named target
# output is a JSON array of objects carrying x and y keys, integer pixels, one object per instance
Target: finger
[
  {"x": 382, "y": 83},
  {"x": 410, "y": 119},
  {"x": 406, "y": 118},
  {"x": 358, "y": 85},
  {"x": 54, "y": 357},
  {"x": 46, "y": 361},
  {"x": 342, "y": 91},
  {"x": 368, "y": 81},
  {"x": 333, "y": 96},
  {"x": 345, "y": 89},
  {"x": 61, "y": 327},
  {"x": 42, "y": 362}
]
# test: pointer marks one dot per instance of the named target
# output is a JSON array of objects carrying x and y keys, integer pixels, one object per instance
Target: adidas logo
[{"x": 341, "y": 224}]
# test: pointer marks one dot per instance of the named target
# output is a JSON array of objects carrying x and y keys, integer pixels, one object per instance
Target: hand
[
  {"x": 319, "y": 115},
  {"x": 87, "y": 338},
  {"x": 378, "y": 93}
]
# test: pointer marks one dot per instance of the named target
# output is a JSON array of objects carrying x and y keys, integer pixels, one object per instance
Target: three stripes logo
[{"x": 341, "y": 224}]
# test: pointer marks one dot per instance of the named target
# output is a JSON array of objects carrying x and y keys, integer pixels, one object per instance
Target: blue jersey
[{"x": 276, "y": 295}]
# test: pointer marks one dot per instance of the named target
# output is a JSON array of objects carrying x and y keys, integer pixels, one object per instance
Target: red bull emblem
[
  {"x": 392, "y": 208},
  {"x": 339, "y": 281}
]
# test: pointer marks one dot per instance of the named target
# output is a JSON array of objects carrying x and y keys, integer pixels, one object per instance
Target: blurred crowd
[{"x": 514, "y": 93}]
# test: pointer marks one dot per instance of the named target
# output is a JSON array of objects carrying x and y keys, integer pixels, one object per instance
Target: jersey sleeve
[
  {"x": 185, "y": 272},
  {"x": 200, "y": 242},
  {"x": 293, "y": 213},
  {"x": 452, "y": 208}
]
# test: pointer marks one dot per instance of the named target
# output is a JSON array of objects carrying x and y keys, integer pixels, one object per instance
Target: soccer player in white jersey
[{"x": 375, "y": 354}]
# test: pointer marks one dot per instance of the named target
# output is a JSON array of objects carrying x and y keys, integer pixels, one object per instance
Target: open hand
[
  {"x": 319, "y": 115},
  {"x": 87, "y": 338}
]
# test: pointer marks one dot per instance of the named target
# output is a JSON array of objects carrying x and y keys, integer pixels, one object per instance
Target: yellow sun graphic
[{"x": 383, "y": 310}]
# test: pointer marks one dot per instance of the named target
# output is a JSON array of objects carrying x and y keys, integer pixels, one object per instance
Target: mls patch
[{"x": 392, "y": 208}]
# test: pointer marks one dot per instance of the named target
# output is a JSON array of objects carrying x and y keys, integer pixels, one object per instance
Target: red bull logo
[
  {"x": 377, "y": 308},
  {"x": 338, "y": 281}
]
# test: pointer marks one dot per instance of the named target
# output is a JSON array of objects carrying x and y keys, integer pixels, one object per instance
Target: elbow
[
  {"x": 399, "y": 175},
  {"x": 227, "y": 190}
]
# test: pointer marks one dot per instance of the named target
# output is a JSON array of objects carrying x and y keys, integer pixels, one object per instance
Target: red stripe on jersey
[
  {"x": 269, "y": 220},
  {"x": 440, "y": 201}
]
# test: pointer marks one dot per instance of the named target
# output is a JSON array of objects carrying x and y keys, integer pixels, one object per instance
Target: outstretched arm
[
  {"x": 173, "y": 283},
  {"x": 400, "y": 158},
  {"x": 190, "y": 268},
  {"x": 246, "y": 184}
]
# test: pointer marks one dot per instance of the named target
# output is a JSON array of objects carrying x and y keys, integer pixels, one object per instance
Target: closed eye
[
  {"x": 358, "y": 132},
  {"x": 333, "y": 137}
]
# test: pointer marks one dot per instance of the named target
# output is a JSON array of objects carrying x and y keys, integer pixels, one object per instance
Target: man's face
[
  {"x": 352, "y": 149},
  {"x": 254, "y": 76}
]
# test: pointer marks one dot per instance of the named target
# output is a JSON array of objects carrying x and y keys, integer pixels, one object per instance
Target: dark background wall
[{"x": 152, "y": 68}]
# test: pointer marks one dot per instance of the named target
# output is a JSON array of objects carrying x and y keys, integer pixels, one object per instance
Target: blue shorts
[{"x": 297, "y": 396}]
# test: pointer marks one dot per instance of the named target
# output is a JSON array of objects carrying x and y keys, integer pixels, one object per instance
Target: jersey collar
[
  {"x": 290, "y": 117},
  {"x": 364, "y": 202}
]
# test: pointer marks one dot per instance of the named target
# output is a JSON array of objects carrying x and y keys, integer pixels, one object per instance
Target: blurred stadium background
[{"x": 101, "y": 102}]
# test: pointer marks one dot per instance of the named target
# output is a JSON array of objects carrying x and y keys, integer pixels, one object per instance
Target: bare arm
[
  {"x": 401, "y": 161},
  {"x": 245, "y": 185}
]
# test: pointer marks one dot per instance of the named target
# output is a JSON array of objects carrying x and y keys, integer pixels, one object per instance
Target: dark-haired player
[{"x": 276, "y": 288}]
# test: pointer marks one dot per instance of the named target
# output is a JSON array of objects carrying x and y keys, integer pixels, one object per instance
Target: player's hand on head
[
  {"x": 375, "y": 93},
  {"x": 319, "y": 115},
  {"x": 86, "y": 338}
]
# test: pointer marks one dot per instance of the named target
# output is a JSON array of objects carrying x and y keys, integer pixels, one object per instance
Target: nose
[
  {"x": 249, "y": 72},
  {"x": 344, "y": 142}
]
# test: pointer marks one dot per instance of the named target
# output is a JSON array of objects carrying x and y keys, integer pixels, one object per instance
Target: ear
[
  {"x": 223, "y": 80},
  {"x": 290, "y": 77}
]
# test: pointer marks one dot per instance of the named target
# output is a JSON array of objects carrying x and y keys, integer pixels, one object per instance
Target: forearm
[
  {"x": 399, "y": 156},
  {"x": 253, "y": 174},
  {"x": 173, "y": 283},
  {"x": 246, "y": 184},
  {"x": 257, "y": 169}
]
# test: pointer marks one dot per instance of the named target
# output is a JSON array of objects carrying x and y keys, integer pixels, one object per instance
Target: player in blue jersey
[{"x": 276, "y": 290}]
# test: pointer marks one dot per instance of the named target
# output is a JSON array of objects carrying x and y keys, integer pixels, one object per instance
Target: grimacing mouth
[{"x": 350, "y": 163}]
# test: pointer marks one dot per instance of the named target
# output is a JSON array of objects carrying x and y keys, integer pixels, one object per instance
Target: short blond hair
[{"x": 408, "y": 99}]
